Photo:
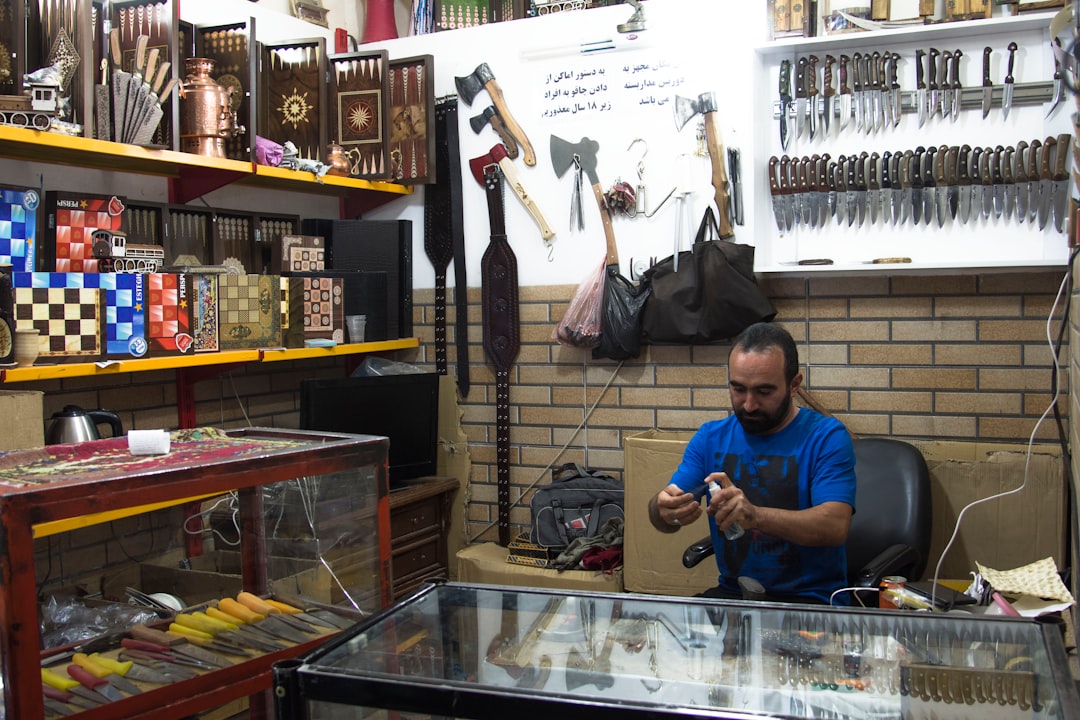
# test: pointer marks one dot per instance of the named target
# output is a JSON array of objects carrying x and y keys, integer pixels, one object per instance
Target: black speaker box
[
  {"x": 373, "y": 246},
  {"x": 365, "y": 293}
]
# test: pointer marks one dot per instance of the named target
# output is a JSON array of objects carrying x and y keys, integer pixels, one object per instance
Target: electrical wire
[
  {"x": 1065, "y": 283},
  {"x": 229, "y": 498}
]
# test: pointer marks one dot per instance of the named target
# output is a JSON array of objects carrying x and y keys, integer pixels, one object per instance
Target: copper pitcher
[
  {"x": 337, "y": 160},
  {"x": 206, "y": 115}
]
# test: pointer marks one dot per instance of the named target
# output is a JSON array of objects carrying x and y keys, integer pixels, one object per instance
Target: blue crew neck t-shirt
[{"x": 809, "y": 462}]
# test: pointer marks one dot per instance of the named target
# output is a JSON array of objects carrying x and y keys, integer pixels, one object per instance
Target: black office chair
[{"x": 890, "y": 531}]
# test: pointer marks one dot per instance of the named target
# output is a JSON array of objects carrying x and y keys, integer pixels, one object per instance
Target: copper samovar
[{"x": 206, "y": 115}]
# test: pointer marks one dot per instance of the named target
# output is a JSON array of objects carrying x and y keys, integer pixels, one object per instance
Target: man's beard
[{"x": 760, "y": 423}]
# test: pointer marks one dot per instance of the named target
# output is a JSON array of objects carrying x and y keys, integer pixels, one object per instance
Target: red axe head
[{"x": 493, "y": 157}]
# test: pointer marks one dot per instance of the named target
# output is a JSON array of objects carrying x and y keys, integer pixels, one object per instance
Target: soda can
[{"x": 890, "y": 582}]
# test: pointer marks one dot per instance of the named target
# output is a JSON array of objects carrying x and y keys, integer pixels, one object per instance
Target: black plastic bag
[{"x": 620, "y": 328}]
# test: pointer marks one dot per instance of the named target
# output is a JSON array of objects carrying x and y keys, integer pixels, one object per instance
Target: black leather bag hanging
[{"x": 713, "y": 296}]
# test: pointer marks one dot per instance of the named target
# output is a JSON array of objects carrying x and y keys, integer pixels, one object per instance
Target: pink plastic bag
[{"x": 580, "y": 324}]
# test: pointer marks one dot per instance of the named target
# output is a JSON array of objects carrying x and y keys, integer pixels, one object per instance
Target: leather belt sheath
[
  {"x": 440, "y": 210},
  {"x": 502, "y": 340}
]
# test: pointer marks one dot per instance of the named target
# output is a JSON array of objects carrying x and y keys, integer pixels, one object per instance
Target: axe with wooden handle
[
  {"x": 491, "y": 116},
  {"x": 483, "y": 79},
  {"x": 705, "y": 104},
  {"x": 564, "y": 154},
  {"x": 498, "y": 156}
]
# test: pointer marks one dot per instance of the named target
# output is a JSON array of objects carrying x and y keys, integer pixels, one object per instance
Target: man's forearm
[
  {"x": 656, "y": 520},
  {"x": 824, "y": 525}
]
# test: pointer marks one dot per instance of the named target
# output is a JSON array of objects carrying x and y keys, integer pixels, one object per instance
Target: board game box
[
  {"x": 249, "y": 311},
  {"x": 169, "y": 314},
  {"x": 314, "y": 310},
  {"x": 70, "y": 320},
  {"x": 18, "y": 227},
  {"x": 71, "y": 219}
]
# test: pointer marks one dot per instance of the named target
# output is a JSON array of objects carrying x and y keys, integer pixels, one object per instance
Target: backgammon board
[
  {"x": 292, "y": 101},
  {"x": 359, "y": 121},
  {"x": 412, "y": 120}
]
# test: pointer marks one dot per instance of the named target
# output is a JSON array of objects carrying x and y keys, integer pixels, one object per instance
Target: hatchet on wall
[
  {"x": 565, "y": 154},
  {"x": 498, "y": 156},
  {"x": 685, "y": 109},
  {"x": 482, "y": 78}
]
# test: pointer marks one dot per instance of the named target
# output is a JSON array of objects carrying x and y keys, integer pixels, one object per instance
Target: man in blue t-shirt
[{"x": 786, "y": 476}]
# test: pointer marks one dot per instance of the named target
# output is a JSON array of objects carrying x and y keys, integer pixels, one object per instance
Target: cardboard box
[
  {"x": 652, "y": 560},
  {"x": 21, "y": 423},
  {"x": 486, "y": 563}
]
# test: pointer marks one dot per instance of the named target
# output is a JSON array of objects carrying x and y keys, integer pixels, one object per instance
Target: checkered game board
[
  {"x": 18, "y": 228},
  {"x": 249, "y": 311},
  {"x": 74, "y": 228},
  {"x": 69, "y": 320}
]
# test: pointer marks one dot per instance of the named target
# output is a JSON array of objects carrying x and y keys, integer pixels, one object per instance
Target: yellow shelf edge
[
  {"x": 300, "y": 176},
  {"x": 279, "y": 354},
  {"x": 54, "y": 527}
]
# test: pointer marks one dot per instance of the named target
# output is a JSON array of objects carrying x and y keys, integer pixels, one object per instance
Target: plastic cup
[{"x": 355, "y": 324}]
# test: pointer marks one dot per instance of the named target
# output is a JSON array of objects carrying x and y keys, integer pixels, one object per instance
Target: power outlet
[{"x": 638, "y": 268}]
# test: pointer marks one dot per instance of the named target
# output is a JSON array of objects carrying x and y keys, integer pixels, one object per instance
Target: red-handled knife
[{"x": 98, "y": 685}]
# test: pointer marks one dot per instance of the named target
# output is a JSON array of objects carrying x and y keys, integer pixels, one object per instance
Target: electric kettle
[{"x": 73, "y": 424}]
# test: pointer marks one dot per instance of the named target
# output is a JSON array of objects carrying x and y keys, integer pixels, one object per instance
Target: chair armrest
[
  {"x": 697, "y": 552},
  {"x": 894, "y": 560}
]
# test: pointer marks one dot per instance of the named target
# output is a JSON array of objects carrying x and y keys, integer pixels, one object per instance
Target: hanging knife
[
  {"x": 873, "y": 188},
  {"x": 785, "y": 102},
  {"x": 1059, "y": 85},
  {"x": 1009, "y": 189},
  {"x": 1034, "y": 156},
  {"x": 869, "y": 79},
  {"x": 877, "y": 108},
  {"x": 963, "y": 180},
  {"x": 976, "y": 182},
  {"x": 830, "y": 180},
  {"x": 787, "y": 192},
  {"x": 1007, "y": 93},
  {"x": 827, "y": 92},
  {"x": 928, "y": 184},
  {"x": 852, "y": 191},
  {"x": 886, "y": 187},
  {"x": 895, "y": 202},
  {"x": 988, "y": 87},
  {"x": 941, "y": 188},
  {"x": 860, "y": 184},
  {"x": 894, "y": 88},
  {"x": 808, "y": 175},
  {"x": 775, "y": 192},
  {"x": 917, "y": 185},
  {"x": 841, "y": 189},
  {"x": 987, "y": 182},
  {"x": 1061, "y": 180},
  {"x": 904, "y": 165},
  {"x": 1046, "y": 180},
  {"x": 954, "y": 84},
  {"x": 946, "y": 87},
  {"x": 931, "y": 82},
  {"x": 857, "y": 87},
  {"x": 811, "y": 93},
  {"x": 920, "y": 86},
  {"x": 952, "y": 178},
  {"x": 798, "y": 184},
  {"x": 1021, "y": 178},
  {"x": 845, "y": 93},
  {"x": 998, "y": 179},
  {"x": 735, "y": 175},
  {"x": 800, "y": 96},
  {"x": 824, "y": 201}
]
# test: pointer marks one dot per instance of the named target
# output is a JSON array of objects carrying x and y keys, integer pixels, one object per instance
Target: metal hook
[{"x": 641, "y": 160}]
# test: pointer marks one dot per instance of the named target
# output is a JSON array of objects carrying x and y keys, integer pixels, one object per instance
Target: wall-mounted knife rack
[{"x": 970, "y": 97}]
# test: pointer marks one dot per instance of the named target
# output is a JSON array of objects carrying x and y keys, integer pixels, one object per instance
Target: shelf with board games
[{"x": 190, "y": 176}]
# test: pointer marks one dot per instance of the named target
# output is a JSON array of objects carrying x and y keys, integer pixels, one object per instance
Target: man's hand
[
  {"x": 672, "y": 508},
  {"x": 730, "y": 506},
  {"x": 826, "y": 524}
]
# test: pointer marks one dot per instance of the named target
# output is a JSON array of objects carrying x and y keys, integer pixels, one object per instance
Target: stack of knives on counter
[
  {"x": 1021, "y": 183},
  {"x": 220, "y": 635},
  {"x": 869, "y": 97}
]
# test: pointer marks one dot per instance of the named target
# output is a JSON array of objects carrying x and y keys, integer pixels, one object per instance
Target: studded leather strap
[{"x": 439, "y": 210}]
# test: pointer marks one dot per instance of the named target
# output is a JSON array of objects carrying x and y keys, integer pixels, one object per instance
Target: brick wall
[{"x": 938, "y": 357}]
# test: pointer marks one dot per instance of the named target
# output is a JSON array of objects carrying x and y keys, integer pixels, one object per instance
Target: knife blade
[
  {"x": 873, "y": 187},
  {"x": 987, "y": 85},
  {"x": 904, "y": 166},
  {"x": 852, "y": 191},
  {"x": 987, "y": 182},
  {"x": 946, "y": 88},
  {"x": 951, "y": 178},
  {"x": 785, "y": 102},
  {"x": 894, "y": 88},
  {"x": 976, "y": 182},
  {"x": 1009, "y": 188},
  {"x": 929, "y": 184},
  {"x": 808, "y": 168},
  {"x": 1046, "y": 179},
  {"x": 886, "y": 187},
  {"x": 1034, "y": 156},
  {"x": 860, "y": 185},
  {"x": 827, "y": 93},
  {"x": 998, "y": 180},
  {"x": 1061, "y": 180},
  {"x": 775, "y": 192},
  {"x": 830, "y": 182},
  {"x": 941, "y": 188},
  {"x": 823, "y": 190},
  {"x": 917, "y": 185},
  {"x": 877, "y": 111},
  {"x": 100, "y": 671},
  {"x": 869, "y": 92},
  {"x": 800, "y": 97},
  {"x": 954, "y": 84},
  {"x": 931, "y": 83},
  {"x": 920, "y": 86},
  {"x": 1021, "y": 179},
  {"x": 99, "y": 685},
  {"x": 786, "y": 192},
  {"x": 131, "y": 671},
  {"x": 1059, "y": 85},
  {"x": 841, "y": 189},
  {"x": 802, "y": 209},
  {"x": 963, "y": 181},
  {"x": 735, "y": 174},
  {"x": 72, "y": 686},
  {"x": 896, "y": 194},
  {"x": 1007, "y": 92},
  {"x": 857, "y": 89},
  {"x": 886, "y": 90},
  {"x": 812, "y": 93},
  {"x": 846, "y": 108}
]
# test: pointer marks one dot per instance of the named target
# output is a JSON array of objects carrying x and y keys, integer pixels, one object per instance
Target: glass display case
[{"x": 491, "y": 652}]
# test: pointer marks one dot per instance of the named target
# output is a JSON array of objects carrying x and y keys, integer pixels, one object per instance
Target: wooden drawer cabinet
[{"x": 419, "y": 522}]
